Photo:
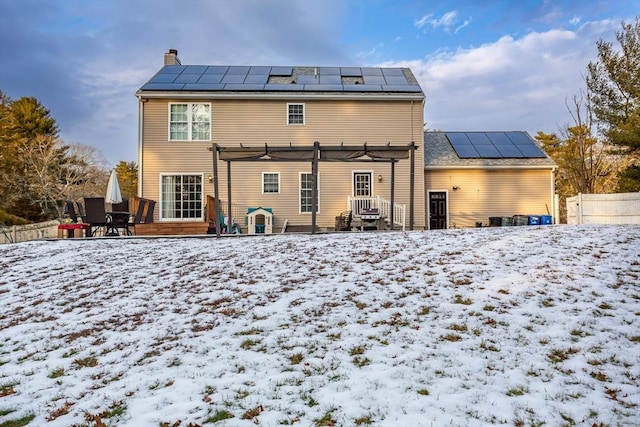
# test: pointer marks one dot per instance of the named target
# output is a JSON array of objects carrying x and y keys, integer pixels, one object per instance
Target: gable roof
[
  {"x": 284, "y": 81},
  {"x": 439, "y": 152}
]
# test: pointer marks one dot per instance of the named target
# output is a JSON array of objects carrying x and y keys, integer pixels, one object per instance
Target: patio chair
[
  {"x": 343, "y": 221},
  {"x": 149, "y": 216},
  {"x": 137, "y": 219},
  {"x": 80, "y": 211},
  {"x": 96, "y": 215},
  {"x": 70, "y": 210}
]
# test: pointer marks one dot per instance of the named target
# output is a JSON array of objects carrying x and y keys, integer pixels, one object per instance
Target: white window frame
[
  {"x": 161, "y": 214},
  {"x": 278, "y": 183},
  {"x": 304, "y": 115},
  {"x": 353, "y": 181},
  {"x": 189, "y": 121},
  {"x": 300, "y": 193}
]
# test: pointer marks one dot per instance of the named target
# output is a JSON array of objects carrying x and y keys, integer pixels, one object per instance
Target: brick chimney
[{"x": 171, "y": 57}]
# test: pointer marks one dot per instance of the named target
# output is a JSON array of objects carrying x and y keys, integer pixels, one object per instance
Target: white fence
[
  {"x": 24, "y": 233},
  {"x": 621, "y": 208}
]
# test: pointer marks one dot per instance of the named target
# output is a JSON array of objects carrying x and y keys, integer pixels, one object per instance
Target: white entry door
[{"x": 362, "y": 184}]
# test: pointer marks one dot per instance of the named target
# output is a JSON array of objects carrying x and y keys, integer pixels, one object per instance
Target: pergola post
[
  {"x": 314, "y": 183},
  {"x": 216, "y": 192},
  {"x": 229, "y": 216},
  {"x": 412, "y": 183},
  {"x": 393, "y": 184}
]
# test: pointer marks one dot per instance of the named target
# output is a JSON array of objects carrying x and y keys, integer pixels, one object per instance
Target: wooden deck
[{"x": 171, "y": 228}]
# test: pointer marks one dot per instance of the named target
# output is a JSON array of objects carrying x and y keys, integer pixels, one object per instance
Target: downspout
[{"x": 141, "y": 103}]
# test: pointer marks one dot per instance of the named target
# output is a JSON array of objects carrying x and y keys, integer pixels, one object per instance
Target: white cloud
[
  {"x": 510, "y": 84},
  {"x": 448, "y": 22}
]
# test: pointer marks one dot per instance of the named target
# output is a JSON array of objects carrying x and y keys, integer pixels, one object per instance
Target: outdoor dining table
[{"x": 116, "y": 220}]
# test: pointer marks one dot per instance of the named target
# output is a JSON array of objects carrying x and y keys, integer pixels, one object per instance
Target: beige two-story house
[{"x": 263, "y": 125}]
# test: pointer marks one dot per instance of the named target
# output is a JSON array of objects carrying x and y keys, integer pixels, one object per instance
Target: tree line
[
  {"x": 600, "y": 151},
  {"x": 39, "y": 171}
]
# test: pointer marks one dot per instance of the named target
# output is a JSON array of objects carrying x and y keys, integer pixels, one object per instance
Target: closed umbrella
[{"x": 113, "y": 189}]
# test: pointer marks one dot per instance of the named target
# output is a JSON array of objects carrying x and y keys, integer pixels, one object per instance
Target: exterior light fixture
[
  {"x": 455, "y": 187},
  {"x": 210, "y": 178},
  {"x": 380, "y": 178}
]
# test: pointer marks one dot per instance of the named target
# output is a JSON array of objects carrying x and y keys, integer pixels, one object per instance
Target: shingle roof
[
  {"x": 439, "y": 153},
  {"x": 220, "y": 78}
]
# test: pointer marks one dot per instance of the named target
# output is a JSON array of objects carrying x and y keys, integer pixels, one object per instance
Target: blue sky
[{"x": 483, "y": 65}]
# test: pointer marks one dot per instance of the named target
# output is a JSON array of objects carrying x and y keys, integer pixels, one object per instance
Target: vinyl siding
[
  {"x": 256, "y": 122},
  {"x": 492, "y": 193}
]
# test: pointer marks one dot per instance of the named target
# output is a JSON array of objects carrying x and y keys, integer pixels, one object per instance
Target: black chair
[
  {"x": 137, "y": 219},
  {"x": 80, "y": 211},
  {"x": 70, "y": 210},
  {"x": 149, "y": 216},
  {"x": 96, "y": 215}
]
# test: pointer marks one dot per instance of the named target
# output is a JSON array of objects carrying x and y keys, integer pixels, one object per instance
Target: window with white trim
[
  {"x": 306, "y": 192},
  {"x": 270, "y": 182},
  {"x": 295, "y": 114},
  {"x": 189, "y": 122},
  {"x": 181, "y": 197}
]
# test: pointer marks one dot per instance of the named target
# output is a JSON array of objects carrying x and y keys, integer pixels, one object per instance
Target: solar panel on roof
[
  {"x": 396, "y": 80},
  {"x": 329, "y": 71},
  {"x": 217, "y": 69},
  {"x": 238, "y": 69},
  {"x": 203, "y": 86},
  {"x": 350, "y": 72},
  {"x": 478, "y": 138},
  {"x": 210, "y": 78},
  {"x": 487, "y": 151},
  {"x": 281, "y": 71},
  {"x": 362, "y": 88},
  {"x": 374, "y": 80},
  {"x": 256, "y": 78},
  {"x": 488, "y": 145},
  {"x": 466, "y": 152},
  {"x": 392, "y": 72},
  {"x": 260, "y": 70},
  {"x": 194, "y": 69},
  {"x": 163, "y": 78},
  {"x": 233, "y": 78},
  {"x": 236, "y": 86},
  {"x": 172, "y": 69},
  {"x": 187, "y": 78},
  {"x": 370, "y": 71},
  {"x": 330, "y": 80}
]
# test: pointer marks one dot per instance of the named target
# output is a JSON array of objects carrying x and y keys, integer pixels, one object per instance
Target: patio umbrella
[{"x": 113, "y": 189}]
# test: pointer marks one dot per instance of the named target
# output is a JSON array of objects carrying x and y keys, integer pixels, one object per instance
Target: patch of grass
[
  {"x": 296, "y": 358},
  {"x": 423, "y": 392},
  {"x": 56, "y": 373},
  {"x": 560, "y": 355},
  {"x": 219, "y": 415},
  {"x": 635, "y": 338},
  {"x": 19, "y": 422},
  {"x": 458, "y": 328},
  {"x": 7, "y": 388},
  {"x": 364, "y": 420},
  {"x": 326, "y": 420},
  {"x": 600, "y": 376},
  {"x": 360, "y": 361},
  {"x": 605, "y": 306},
  {"x": 86, "y": 362},
  {"x": 458, "y": 299},
  {"x": 58, "y": 412},
  {"x": 488, "y": 307},
  {"x": 252, "y": 413},
  {"x": 424, "y": 310},
  {"x": 451, "y": 337},
  {"x": 517, "y": 391},
  {"x": 252, "y": 331},
  {"x": 248, "y": 343},
  {"x": 357, "y": 350}
]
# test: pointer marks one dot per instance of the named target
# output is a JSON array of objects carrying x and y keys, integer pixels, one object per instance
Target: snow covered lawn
[{"x": 514, "y": 325}]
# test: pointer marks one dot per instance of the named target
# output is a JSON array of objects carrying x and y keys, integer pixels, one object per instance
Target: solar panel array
[
  {"x": 246, "y": 78},
  {"x": 494, "y": 145}
]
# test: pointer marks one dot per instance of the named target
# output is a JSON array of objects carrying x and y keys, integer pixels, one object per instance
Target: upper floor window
[
  {"x": 270, "y": 182},
  {"x": 190, "y": 122},
  {"x": 295, "y": 114}
]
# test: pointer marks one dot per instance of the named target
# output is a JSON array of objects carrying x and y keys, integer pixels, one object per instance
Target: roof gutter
[
  {"x": 497, "y": 167},
  {"x": 280, "y": 95}
]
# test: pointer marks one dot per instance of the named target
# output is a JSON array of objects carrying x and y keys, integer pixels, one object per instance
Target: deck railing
[{"x": 359, "y": 204}]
